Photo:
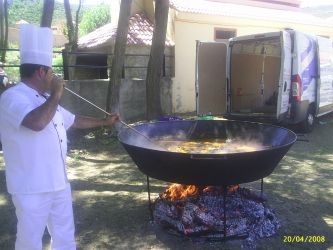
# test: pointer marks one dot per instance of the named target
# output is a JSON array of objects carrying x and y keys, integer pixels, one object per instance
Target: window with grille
[{"x": 223, "y": 34}]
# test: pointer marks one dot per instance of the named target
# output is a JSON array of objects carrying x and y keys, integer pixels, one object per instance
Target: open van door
[
  {"x": 285, "y": 76},
  {"x": 210, "y": 79}
]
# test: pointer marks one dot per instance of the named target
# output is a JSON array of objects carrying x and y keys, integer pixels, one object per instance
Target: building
[
  {"x": 98, "y": 46},
  {"x": 59, "y": 39},
  {"x": 207, "y": 20}
]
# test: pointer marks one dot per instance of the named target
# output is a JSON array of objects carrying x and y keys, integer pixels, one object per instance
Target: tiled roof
[
  {"x": 245, "y": 11},
  {"x": 140, "y": 32}
]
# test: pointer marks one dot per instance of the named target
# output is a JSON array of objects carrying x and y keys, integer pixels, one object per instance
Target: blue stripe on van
[
  {"x": 308, "y": 68},
  {"x": 305, "y": 53}
]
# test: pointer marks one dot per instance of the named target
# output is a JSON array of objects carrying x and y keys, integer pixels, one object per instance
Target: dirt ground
[{"x": 111, "y": 206}]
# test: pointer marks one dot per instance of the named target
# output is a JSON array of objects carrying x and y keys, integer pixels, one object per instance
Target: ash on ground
[{"x": 202, "y": 216}]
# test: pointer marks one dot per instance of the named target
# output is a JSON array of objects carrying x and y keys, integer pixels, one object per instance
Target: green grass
[{"x": 111, "y": 208}]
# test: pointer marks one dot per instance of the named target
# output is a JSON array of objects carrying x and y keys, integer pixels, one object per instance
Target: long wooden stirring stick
[{"x": 122, "y": 122}]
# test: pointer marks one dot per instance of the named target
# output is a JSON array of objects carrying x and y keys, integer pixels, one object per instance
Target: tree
[
  {"x": 70, "y": 59},
  {"x": 94, "y": 18},
  {"x": 69, "y": 19},
  {"x": 25, "y": 10},
  {"x": 112, "y": 101},
  {"x": 156, "y": 60},
  {"x": 31, "y": 10},
  {"x": 72, "y": 31},
  {"x": 3, "y": 28},
  {"x": 47, "y": 13}
]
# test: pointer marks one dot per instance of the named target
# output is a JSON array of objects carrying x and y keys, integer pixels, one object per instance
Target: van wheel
[{"x": 308, "y": 124}]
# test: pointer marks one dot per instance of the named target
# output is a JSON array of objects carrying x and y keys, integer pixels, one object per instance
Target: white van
[{"x": 281, "y": 77}]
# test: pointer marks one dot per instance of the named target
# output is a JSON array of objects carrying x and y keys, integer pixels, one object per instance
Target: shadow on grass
[
  {"x": 300, "y": 190},
  {"x": 111, "y": 206}
]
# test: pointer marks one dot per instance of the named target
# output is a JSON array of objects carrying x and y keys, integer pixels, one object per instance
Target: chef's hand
[
  {"x": 111, "y": 119},
  {"x": 57, "y": 86}
]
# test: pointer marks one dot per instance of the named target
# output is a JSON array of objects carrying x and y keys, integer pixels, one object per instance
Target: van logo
[{"x": 308, "y": 64}]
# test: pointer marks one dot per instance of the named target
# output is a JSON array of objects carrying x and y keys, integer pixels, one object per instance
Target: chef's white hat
[{"x": 36, "y": 45}]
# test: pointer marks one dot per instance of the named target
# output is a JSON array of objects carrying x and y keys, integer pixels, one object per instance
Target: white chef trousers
[{"x": 36, "y": 211}]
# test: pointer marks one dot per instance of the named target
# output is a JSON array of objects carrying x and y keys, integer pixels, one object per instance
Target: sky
[{"x": 313, "y": 3}]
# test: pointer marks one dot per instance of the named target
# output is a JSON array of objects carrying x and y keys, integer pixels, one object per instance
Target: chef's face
[{"x": 48, "y": 74}]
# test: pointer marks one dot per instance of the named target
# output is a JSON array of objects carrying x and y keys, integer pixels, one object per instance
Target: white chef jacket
[{"x": 35, "y": 161}]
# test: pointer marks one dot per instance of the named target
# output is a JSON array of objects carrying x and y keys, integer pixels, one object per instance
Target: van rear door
[
  {"x": 325, "y": 92},
  {"x": 211, "y": 78},
  {"x": 285, "y": 76}
]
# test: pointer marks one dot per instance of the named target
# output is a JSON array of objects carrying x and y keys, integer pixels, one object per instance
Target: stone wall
[
  {"x": 135, "y": 64},
  {"x": 132, "y": 99}
]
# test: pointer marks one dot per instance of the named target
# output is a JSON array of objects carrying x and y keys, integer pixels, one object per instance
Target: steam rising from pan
[{"x": 227, "y": 168}]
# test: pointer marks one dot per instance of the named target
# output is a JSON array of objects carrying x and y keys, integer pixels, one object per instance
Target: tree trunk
[
  {"x": 77, "y": 20},
  {"x": 3, "y": 29},
  {"x": 1, "y": 26},
  {"x": 155, "y": 63},
  {"x": 47, "y": 15},
  {"x": 112, "y": 101},
  {"x": 72, "y": 37},
  {"x": 6, "y": 30},
  {"x": 69, "y": 19}
]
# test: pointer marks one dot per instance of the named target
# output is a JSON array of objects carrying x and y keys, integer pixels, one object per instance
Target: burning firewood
[
  {"x": 197, "y": 230},
  {"x": 188, "y": 213},
  {"x": 178, "y": 192},
  {"x": 166, "y": 215},
  {"x": 208, "y": 219},
  {"x": 202, "y": 214}
]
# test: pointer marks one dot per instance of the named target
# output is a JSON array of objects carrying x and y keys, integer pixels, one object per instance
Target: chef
[{"x": 33, "y": 133}]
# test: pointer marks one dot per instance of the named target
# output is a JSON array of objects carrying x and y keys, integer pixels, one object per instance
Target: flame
[{"x": 179, "y": 191}]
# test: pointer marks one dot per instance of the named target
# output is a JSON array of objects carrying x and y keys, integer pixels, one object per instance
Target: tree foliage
[
  {"x": 31, "y": 11},
  {"x": 94, "y": 18},
  {"x": 28, "y": 10}
]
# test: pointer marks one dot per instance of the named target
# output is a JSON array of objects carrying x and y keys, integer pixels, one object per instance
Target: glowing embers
[{"x": 214, "y": 213}]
